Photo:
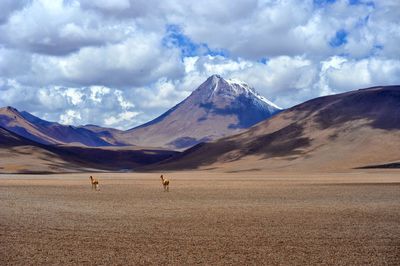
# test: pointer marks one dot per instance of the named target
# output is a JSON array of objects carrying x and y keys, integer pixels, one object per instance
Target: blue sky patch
[
  {"x": 320, "y": 3},
  {"x": 339, "y": 39},
  {"x": 359, "y": 2},
  {"x": 175, "y": 38},
  {"x": 263, "y": 60},
  {"x": 377, "y": 49}
]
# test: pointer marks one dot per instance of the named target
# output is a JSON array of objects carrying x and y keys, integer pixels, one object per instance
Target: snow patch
[{"x": 235, "y": 82}]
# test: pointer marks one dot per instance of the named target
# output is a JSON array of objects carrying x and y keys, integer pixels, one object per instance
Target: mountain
[
  {"x": 217, "y": 108},
  {"x": 107, "y": 134},
  {"x": 344, "y": 131},
  {"x": 9, "y": 139},
  {"x": 22, "y": 155},
  {"x": 41, "y": 131}
]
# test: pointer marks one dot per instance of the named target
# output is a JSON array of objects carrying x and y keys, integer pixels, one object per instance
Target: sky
[{"x": 121, "y": 63}]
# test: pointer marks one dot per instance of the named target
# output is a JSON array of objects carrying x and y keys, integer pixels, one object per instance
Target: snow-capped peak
[
  {"x": 238, "y": 82},
  {"x": 250, "y": 90},
  {"x": 218, "y": 89}
]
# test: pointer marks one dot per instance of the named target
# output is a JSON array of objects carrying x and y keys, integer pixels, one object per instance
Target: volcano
[{"x": 217, "y": 108}]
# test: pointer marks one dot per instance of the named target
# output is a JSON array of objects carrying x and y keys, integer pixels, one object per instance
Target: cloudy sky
[{"x": 120, "y": 63}]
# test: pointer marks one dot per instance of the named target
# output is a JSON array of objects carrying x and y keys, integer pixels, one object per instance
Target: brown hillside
[{"x": 336, "y": 132}]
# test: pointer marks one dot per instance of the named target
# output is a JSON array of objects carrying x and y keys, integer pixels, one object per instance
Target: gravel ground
[{"x": 206, "y": 218}]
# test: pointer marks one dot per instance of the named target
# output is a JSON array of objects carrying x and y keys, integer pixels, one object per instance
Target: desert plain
[{"x": 208, "y": 217}]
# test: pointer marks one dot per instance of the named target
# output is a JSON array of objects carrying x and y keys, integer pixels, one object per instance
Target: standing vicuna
[
  {"x": 95, "y": 183},
  {"x": 165, "y": 183}
]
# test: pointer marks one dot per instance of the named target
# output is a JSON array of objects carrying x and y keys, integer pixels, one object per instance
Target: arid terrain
[
  {"x": 337, "y": 132},
  {"x": 214, "y": 218}
]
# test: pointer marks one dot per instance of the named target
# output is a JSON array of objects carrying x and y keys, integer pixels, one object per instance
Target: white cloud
[
  {"x": 70, "y": 117},
  {"x": 77, "y": 106},
  {"x": 51, "y": 27},
  {"x": 346, "y": 75},
  {"x": 139, "y": 60},
  {"x": 116, "y": 5},
  {"x": 97, "y": 92},
  {"x": 8, "y": 7},
  {"x": 74, "y": 95},
  {"x": 121, "y": 120}
]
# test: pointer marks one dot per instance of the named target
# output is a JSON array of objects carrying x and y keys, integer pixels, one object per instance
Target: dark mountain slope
[
  {"x": 342, "y": 131},
  {"x": 21, "y": 155}
]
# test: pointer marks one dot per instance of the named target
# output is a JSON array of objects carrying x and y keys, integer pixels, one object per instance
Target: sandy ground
[{"x": 348, "y": 218}]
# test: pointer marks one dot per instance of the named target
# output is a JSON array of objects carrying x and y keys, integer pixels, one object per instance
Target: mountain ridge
[
  {"x": 342, "y": 131},
  {"x": 217, "y": 108},
  {"x": 24, "y": 156},
  {"x": 45, "y": 132}
]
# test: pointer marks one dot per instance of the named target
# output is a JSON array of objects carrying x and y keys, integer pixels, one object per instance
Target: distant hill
[
  {"x": 22, "y": 155},
  {"x": 348, "y": 130},
  {"x": 45, "y": 132}
]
